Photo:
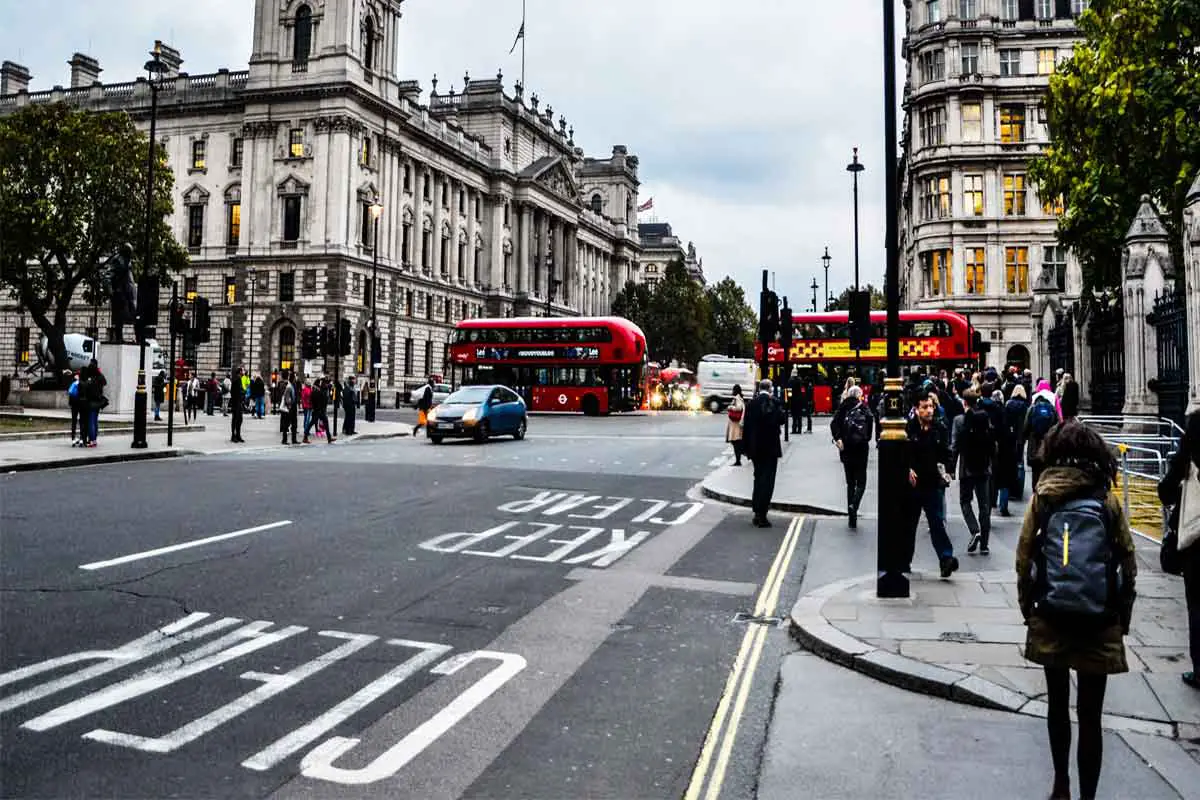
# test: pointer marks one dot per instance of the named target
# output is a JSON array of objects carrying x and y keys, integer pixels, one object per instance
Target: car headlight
[
  {"x": 431, "y": 415},
  {"x": 694, "y": 402},
  {"x": 471, "y": 415}
]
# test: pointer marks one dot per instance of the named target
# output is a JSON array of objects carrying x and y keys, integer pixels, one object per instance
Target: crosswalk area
[{"x": 269, "y": 695}]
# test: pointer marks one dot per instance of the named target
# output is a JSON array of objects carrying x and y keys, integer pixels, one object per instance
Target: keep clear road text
[{"x": 549, "y": 527}]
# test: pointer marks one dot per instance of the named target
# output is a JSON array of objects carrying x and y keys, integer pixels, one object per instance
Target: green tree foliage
[
  {"x": 842, "y": 301},
  {"x": 633, "y": 303},
  {"x": 733, "y": 323},
  {"x": 1124, "y": 116},
  {"x": 72, "y": 190}
]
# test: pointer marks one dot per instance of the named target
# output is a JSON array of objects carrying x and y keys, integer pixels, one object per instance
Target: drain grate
[
  {"x": 962, "y": 637},
  {"x": 757, "y": 619}
]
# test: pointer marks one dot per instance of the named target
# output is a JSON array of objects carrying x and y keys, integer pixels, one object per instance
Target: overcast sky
[{"x": 743, "y": 113}]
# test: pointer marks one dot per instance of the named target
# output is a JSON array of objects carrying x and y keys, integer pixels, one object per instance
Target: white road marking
[{"x": 183, "y": 546}]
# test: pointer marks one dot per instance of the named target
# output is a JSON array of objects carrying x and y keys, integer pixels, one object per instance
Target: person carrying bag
[{"x": 1179, "y": 491}]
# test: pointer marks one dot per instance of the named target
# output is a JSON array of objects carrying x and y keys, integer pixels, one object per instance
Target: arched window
[
  {"x": 287, "y": 347},
  {"x": 302, "y": 45},
  {"x": 1018, "y": 356},
  {"x": 369, "y": 44},
  {"x": 361, "y": 359},
  {"x": 597, "y": 203}
]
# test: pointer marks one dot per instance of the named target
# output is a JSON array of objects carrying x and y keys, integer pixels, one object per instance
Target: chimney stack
[
  {"x": 85, "y": 71},
  {"x": 170, "y": 58},
  {"x": 14, "y": 78}
]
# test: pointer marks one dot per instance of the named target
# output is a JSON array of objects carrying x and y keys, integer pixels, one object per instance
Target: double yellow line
[{"x": 723, "y": 730}]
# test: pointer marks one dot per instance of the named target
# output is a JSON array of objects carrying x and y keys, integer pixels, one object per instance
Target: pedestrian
[
  {"x": 287, "y": 408},
  {"x": 349, "y": 404},
  {"x": 92, "y": 383},
  {"x": 1076, "y": 571},
  {"x": 929, "y": 455},
  {"x": 73, "y": 404},
  {"x": 158, "y": 386},
  {"x": 319, "y": 397},
  {"x": 258, "y": 394},
  {"x": 1170, "y": 492},
  {"x": 1068, "y": 399},
  {"x": 973, "y": 441},
  {"x": 807, "y": 402},
  {"x": 852, "y": 431},
  {"x": 306, "y": 405},
  {"x": 760, "y": 435},
  {"x": 236, "y": 409},
  {"x": 796, "y": 403},
  {"x": 733, "y": 427},
  {"x": 1009, "y": 464},
  {"x": 424, "y": 404},
  {"x": 1040, "y": 418},
  {"x": 226, "y": 392}
]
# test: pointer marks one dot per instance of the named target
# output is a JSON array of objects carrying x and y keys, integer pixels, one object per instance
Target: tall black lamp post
[
  {"x": 154, "y": 68},
  {"x": 854, "y": 167},
  {"x": 814, "y": 287},
  {"x": 372, "y": 397},
  {"x": 252, "y": 274},
  {"x": 895, "y": 543},
  {"x": 825, "y": 259},
  {"x": 552, "y": 284}
]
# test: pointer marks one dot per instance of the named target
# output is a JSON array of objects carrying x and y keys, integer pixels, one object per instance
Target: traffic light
[
  {"x": 376, "y": 351},
  {"x": 786, "y": 330},
  {"x": 978, "y": 345},
  {"x": 178, "y": 321},
  {"x": 768, "y": 318},
  {"x": 308, "y": 344},
  {"x": 323, "y": 341},
  {"x": 200, "y": 321},
  {"x": 344, "y": 337},
  {"x": 147, "y": 310},
  {"x": 860, "y": 320}
]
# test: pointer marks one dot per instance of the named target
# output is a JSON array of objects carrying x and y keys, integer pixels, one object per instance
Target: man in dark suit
[{"x": 760, "y": 438}]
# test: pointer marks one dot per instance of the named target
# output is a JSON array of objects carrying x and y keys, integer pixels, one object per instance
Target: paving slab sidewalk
[
  {"x": 208, "y": 436},
  {"x": 962, "y": 638}
]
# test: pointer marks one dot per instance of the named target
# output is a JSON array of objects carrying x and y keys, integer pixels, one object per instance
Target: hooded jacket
[{"x": 1100, "y": 652}]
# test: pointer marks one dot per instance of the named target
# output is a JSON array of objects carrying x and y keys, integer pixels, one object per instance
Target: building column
[
  {"x": 543, "y": 249},
  {"x": 495, "y": 267},
  {"x": 570, "y": 254},
  {"x": 439, "y": 216},
  {"x": 525, "y": 252}
]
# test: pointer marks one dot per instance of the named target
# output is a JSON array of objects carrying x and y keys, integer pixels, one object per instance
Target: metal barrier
[{"x": 1145, "y": 445}]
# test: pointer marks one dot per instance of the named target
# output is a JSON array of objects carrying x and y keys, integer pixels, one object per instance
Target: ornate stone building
[
  {"x": 660, "y": 246},
  {"x": 484, "y": 204},
  {"x": 974, "y": 233}
]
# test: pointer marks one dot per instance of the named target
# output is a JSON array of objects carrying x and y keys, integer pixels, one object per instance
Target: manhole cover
[{"x": 958, "y": 636}]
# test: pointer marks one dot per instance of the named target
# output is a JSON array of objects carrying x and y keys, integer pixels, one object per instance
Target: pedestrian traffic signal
[
  {"x": 978, "y": 345},
  {"x": 860, "y": 320},
  {"x": 376, "y": 351},
  {"x": 308, "y": 344},
  {"x": 200, "y": 322},
  {"x": 768, "y": 318},
  {"x": 178, "y": 322},
  {"x": 324, "y": 347},
  {"x": 147, "y": 310},
  {"x": 343, "y": 337}
]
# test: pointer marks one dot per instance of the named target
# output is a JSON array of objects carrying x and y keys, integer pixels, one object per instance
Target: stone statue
[
  {"x": 124, "y": 295},
  {"x": 691, "y": 251}
]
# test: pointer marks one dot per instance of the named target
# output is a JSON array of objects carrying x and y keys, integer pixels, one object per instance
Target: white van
[{"x": 717, "y": 375}]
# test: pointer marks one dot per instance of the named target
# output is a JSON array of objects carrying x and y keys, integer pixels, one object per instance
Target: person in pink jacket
[{"x": 306, "y": 405}]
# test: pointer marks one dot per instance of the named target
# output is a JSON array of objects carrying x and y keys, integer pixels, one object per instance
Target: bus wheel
[
  {"x": 591, "y": 406},
  {"x": 714, "y": 405}
]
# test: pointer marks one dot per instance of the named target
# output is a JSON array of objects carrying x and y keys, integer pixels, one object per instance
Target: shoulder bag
[{"x": 1189, "y": 511}]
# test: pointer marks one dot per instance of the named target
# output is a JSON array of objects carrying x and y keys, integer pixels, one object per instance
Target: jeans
[
  {"x": 764, "y": 485},
  {"x": 260, "y": 407},
  {"x": 978, "y": 486},
  {"x": 854, "y": 464},
  {"x": 75, "y": 422},
  {"x": 1191, "y": 592},
  {"x": 1020, "y": 488},
  {"x": 93, "y": 423},
  {"x": 307, "y": 420},
  {"x": 933, "y": 503},
  {"x": 313, "y": 420}
]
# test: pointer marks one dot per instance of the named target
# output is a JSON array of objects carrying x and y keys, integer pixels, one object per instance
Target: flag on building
[
  {"x": 520, "y": 36},
  {"x": 646, "y": 206}
]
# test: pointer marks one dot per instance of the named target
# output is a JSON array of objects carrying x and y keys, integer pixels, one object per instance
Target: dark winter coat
[
  {"x": 925, "y": 450},
  {"x": 836, "y": 428},
  {"x": 1095, "y": 652},
  {"x": 760, "y": 428},
  {"x": 1009, "y": 457}
]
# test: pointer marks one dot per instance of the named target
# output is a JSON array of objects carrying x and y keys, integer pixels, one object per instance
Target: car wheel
[
  {"x": 519, "y": 433},
  {"x": 435, "y": 439},
  {"x": 714, "y": 405},
  {"x": 481, "y": 432}
]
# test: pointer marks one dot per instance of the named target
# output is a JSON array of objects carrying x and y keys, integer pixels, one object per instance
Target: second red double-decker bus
[
  {"x": 929, "y": 341},
  {"x": 593, "y": 365}
]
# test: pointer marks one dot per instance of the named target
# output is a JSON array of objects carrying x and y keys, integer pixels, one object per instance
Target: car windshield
[{"x": 469, "y": 396}]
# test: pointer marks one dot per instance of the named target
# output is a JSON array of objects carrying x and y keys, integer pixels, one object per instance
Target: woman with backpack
[
  {"x": 1075, "y": 583},
  {"x": 1009, "y": 464},
  {"x": 1042, "y": 416},
  {"x": 1170, "y": 492},
  {"x": 851, "y": 430}
]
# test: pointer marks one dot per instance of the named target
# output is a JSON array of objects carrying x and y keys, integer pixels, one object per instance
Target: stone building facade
[
  {"x": 484, "y": 204},
  {"x": 660, "y": 247},
  {"x": 974, "y": 233}
]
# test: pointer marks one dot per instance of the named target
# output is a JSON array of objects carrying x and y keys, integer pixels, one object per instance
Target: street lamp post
[
  {"x": 854, "y": 167},
  {"x": 552, "y": 284},
  {"x": 372, "y": 396},
  {"x": 252, "y": 274},
  {"x": 815, "y": 286},
  {"x": 825, "y": 262},
  {"x": 895, "y": 543},
  {"x": 154, "y": 68}
]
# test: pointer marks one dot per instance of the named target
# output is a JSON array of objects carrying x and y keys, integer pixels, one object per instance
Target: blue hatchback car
[{"x": 478, "y": 412}]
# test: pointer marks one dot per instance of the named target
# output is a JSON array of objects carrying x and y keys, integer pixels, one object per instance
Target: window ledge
[
  {"x": 235, "y": 168},
  {"x": 197, "y": 170},
  {"x": 231, "y": 249},
  {"x": 193, "y": 250},
  {"x": 288, "y": 245}
]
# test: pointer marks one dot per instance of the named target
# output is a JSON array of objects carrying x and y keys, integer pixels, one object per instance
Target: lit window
[
  {"x": 1045, "y": 60},
  {"x": 1012, "y": 124},
  {"x": 23, "y": 355},
  {"x": 230, "y": 289},
  {"x": 198, "y": 160},
  {"x": 1054, "y": 207},
  {"x": 1014, "y": 195},
  {"x": 972, "y": 122},
  {"x": 296, "y": 142},
  {"x": 1016, "y": 269},
  {"x": 234, "y": 224},
  {"x": 970, "y": 58},
  {"x": 191, "y": 288},
  {"x": 976, "y": 271},
  {"x": 1010, "y": 63},
  {"x": 287, "y": 347},
  {"x": 935, "y": 197},
  {"x": 195, "y": 226},
  {"x": 937, "y": 266},
  {"x": 973, "y": 194},
  {"x": 364, "y": 157}
]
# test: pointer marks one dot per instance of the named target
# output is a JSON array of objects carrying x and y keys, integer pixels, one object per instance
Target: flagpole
[{"x": 522, "y": 43}]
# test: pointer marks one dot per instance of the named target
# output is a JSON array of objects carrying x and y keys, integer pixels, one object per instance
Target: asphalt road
[{"x": 548, "y": 618}]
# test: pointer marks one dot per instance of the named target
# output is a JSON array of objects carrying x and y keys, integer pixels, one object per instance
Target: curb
[
  {"x": 776, "y": 505},
  {"x": 90, "y": 461},
  {"x": 66, "y": 434},
  {"x": 815, "y": 633}
]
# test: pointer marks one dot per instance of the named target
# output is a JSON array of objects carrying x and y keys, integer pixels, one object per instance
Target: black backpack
[
  {"x": 975, "y": 441},
  {"x": 856, "y": 426},
  {"x": 1077, "y": 578}
]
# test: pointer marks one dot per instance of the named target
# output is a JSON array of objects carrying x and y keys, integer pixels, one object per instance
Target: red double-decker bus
[
  {"x": 593, "y": 365},
  {"x": 930, "y": 341}
]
